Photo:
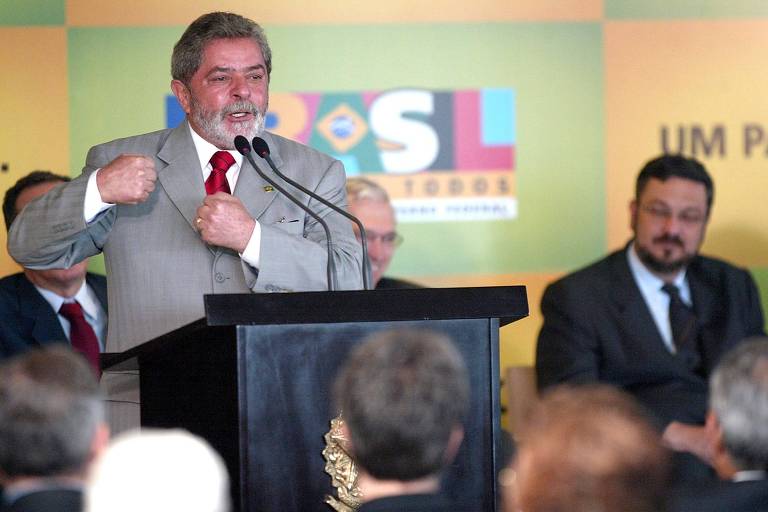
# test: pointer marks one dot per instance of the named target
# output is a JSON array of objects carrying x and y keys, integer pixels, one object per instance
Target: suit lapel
[
  {"x": 635, "y": 315},
  {"x": 254, "y": 192},
  {"x": 182, "y": 178},
  {"x": 46, "y": 324}
]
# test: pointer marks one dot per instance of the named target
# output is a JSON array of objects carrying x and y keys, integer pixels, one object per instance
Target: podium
[{"x": 254, "y": 378}]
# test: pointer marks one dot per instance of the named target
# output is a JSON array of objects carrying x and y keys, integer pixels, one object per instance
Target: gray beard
[{"x": 212, "y": 123}]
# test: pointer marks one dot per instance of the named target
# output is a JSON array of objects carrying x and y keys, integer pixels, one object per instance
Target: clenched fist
[
  {"x": 223, "y": 220},
  {"x": 128, "y": 179}
]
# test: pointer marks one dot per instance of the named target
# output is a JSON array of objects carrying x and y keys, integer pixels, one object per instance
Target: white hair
[
  {"x": 739, "y": 398},
  {"x": 359, "y": 189},
  {"x": 158, "y": 470}
]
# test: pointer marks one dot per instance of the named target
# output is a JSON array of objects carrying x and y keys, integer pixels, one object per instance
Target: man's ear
[
  {"x": 720, "y": 459},
  {"x": 100, "y": 441},
  {"x": 182, "y": 94},
  {"x": 633, "y": 214},
  {"x": 454, "y": 442}
]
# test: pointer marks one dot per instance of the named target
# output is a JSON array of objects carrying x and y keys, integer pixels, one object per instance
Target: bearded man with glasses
[{"x": 655, "y": 317}]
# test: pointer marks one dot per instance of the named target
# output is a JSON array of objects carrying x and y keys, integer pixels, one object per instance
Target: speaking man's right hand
[{"x": 128, "y": 179}]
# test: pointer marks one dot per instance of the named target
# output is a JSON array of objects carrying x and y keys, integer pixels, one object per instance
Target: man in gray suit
[{"x": 150, "y": 203}]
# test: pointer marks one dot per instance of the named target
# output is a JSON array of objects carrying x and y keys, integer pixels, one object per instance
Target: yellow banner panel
[
  {"x": 34, "y": 106},
  {"x": 181, "y": 12},
  {"x": 697, "y": 88}
]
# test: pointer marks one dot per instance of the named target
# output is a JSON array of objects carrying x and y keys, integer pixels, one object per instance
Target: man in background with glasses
[
  {"x": 655, "y": 317},
  {"x": 369, "y": 202}
]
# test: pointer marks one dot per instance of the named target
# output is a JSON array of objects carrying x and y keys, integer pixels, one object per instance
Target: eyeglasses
[
  {"x": 391, "y": 239},
  {"x": 689, "y": 216}
]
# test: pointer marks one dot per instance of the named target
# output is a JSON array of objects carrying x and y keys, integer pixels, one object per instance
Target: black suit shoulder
[
  {"x": 750, "y": 496},
  {"x": 53, "y": 500}
]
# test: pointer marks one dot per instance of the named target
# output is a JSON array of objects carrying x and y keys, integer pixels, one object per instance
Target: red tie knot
[
  {"x": 71, "y": 310},
  {"x": 222, "y": 160}
]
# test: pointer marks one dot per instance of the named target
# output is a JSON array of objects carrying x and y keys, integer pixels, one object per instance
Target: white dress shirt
[
  {"x": 92, "y": 310},
  {"x": 656, "y": 299}
]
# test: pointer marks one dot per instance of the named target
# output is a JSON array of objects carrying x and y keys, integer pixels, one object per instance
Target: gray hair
[
  {"x": 50, "y": 410},
  {"x": 359, "y": 189},
  {"x": 739, "y": 399},
  {"x": 402, "y": 393},
  {"x": 188, "y": 51}
]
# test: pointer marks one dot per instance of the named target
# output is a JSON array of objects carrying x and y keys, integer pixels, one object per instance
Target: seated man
[
  {"x": 369, "y": 202},
  {"x": 403, "y": 396},
  {"x": 738, "y": 426},
  {"x": 584, "y": 450},
  {"x": 655, "y": 317},
  {"x": 51, "y": 427},
  {"x": 31, "y": 301}
]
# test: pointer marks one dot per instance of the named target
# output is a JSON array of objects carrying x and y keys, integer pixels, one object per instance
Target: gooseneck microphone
[
  {"x": 261, "y": 148},
  {"x": 244, "y": 147}
]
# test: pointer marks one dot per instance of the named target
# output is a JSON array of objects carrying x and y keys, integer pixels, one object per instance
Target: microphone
[
  {"x": 244, "y": 148},
  {"x": 262, "y": 149}
]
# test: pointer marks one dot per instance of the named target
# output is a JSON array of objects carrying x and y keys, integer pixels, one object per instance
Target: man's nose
[
  {"x": 672, "y": 224},
  {"x": 240, "y": 87}
]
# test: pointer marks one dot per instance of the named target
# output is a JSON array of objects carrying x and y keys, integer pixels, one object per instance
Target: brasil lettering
[{"x": 441, "y": 155}]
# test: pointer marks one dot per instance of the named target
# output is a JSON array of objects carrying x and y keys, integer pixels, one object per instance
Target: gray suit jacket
[{"x": 158, "y": 269}]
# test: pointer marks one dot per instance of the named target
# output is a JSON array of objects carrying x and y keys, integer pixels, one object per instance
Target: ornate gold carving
[{"x": 339, "y": 464}]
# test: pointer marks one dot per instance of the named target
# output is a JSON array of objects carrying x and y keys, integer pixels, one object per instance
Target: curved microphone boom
[
  {"x": 261, "y": 148},
  {"x": 244, "y": 148}
]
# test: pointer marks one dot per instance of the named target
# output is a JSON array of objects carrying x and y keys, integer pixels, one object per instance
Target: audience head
[
  {"x": 739, "y": 405},
  {"x": 369, "y": 202},
  {"x": 588, "y": 449},
  {"x": 64, "y": 282},
  {"x": 158, "y": 470},
  {"x": 51, "y": 415},
  {"x": 673, "y": 199},
  {"x": 27, "y": 188},
  {"x": 403, "y": 395}
]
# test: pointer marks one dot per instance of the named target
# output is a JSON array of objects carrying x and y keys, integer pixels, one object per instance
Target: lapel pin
[{"x": 269, "y": 188}]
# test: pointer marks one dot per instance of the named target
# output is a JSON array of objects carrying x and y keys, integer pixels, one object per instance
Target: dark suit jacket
[
  {"x": 751, "y": 496},
  {"x": 597, "y": 327},
  {"x": 55, "y": 500},
  {"x": 27, "y": 319}
]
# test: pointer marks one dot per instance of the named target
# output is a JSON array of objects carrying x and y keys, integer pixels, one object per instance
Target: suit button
[{"x": 219, "y": 277}]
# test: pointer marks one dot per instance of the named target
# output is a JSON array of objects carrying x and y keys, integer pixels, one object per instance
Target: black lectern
[{"x": 254, "y": 379}]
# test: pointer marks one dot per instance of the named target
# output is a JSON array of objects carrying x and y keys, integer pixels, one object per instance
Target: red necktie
[
  {"x": 81, "y": 334},
  {"x": 217, "y": 181}
]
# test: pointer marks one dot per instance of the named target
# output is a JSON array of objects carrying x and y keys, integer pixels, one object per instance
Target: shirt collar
[
  {"x": 85, "y": 296},
  {"x": 205, "y": 151},
  {"x": 748, "y": 476}
]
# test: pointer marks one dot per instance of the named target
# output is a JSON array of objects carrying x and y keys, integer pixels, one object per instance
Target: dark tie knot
[{"x": 672, "y": 290}]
